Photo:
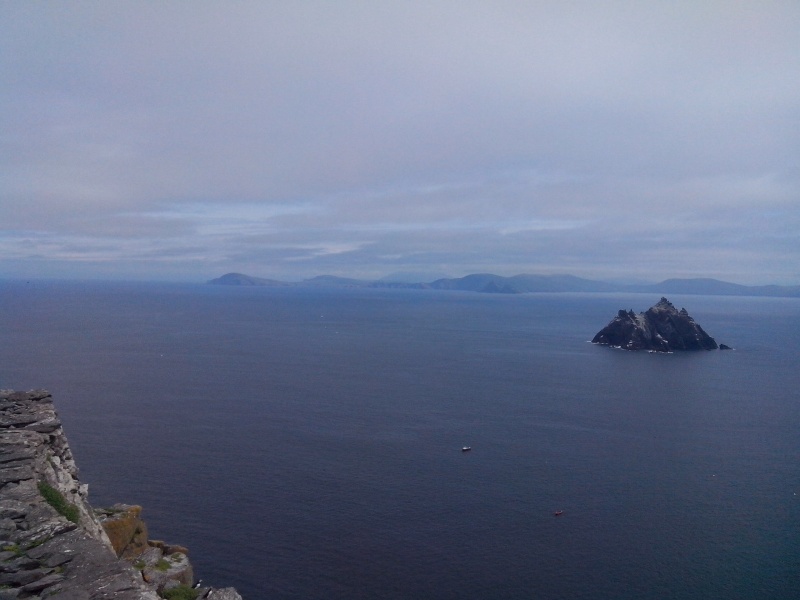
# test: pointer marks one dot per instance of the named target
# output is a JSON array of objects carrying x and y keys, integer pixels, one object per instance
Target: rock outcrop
[
  {"x": 662, "y": 328},
  {"x": 53, "y": 544}
]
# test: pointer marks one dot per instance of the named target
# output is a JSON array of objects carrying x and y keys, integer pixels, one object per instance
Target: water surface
[{"x": 306, "y": 443}]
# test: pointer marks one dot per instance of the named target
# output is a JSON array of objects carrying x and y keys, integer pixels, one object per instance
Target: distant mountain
[
  {"x": 520, "y": 284},
  {"x": 411, "y": 277},
  {"x": 714, "y": 287},
  {"x": 321, "y": 281},
  {"x": 246, "y": 280},
  {"x": 489, "y": 283}
]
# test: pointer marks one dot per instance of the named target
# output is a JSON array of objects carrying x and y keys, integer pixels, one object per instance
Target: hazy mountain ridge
[{"x": 526, "y": 283}]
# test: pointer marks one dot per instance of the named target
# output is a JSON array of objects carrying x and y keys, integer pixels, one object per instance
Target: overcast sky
[{"x": 611, "y": 140}]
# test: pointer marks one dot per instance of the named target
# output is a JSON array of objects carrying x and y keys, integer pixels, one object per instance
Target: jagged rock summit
[{"x": 662, "y": 328}]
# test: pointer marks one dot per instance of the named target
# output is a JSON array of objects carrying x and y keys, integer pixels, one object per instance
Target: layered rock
[
  {"x": 662, "y": 328},
  {"x": 52, "y": 543},
  {"x": 160, "y": 564}
]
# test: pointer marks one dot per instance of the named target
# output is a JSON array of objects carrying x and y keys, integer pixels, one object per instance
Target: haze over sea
[{"x": 306, "y": 443}]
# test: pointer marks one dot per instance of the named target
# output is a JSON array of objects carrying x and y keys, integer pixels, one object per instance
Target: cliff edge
[
  {"x": 662, "y": 328},
  {"x": 53, "y": 544}
]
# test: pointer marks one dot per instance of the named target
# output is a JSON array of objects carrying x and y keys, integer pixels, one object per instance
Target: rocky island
[
  {"x": 53, "y": 544},
  {"x": 662, "y": 328}
]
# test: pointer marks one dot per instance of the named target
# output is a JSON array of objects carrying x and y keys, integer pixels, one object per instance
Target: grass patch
[
  {"x": 162, "y": 565},
  {"x": 181, "y": 592},
  {"x": 54, "y": 498}
]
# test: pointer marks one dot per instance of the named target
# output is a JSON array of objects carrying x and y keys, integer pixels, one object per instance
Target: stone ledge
[{"x": 43, "y": 554}]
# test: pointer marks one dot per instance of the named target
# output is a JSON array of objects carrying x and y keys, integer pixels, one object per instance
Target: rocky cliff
[
  {"x": 662, "y": 328},
  {"x": 53, "y": 544}
]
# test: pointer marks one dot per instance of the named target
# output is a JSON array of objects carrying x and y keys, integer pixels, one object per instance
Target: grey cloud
[{"x": 291, "y": 138}]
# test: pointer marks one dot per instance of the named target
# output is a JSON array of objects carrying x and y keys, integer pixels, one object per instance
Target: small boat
[
  {"x": 558, "y": 513},
  {"x": 466, "y": 448}
]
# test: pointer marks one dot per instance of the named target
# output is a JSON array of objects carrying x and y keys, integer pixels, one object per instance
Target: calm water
[{"x": 306, "y": 444}]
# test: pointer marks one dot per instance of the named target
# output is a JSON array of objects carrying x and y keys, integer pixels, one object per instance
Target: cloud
[{"x": 510, "y": 136}]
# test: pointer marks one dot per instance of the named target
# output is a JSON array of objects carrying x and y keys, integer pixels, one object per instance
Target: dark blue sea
[{"x": 306, "y": 444}]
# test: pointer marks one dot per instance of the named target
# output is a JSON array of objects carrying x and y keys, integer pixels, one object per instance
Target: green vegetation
[
  {"x": 162, "y": 565},
  {"x": 13, "y": 548},
  {"x": 57, "y": 501},
  {"x": 37, "y": 543},
  {"x": 181, "y": 592},
  {"x": 139, "y": 564}
]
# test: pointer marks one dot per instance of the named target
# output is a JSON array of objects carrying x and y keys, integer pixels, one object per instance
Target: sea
[{"x": 307, "y": 443}]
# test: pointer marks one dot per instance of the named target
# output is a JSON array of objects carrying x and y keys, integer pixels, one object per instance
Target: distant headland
[
  {"x": 662, "y": 328},
  {"x": 522, "y": 284}
]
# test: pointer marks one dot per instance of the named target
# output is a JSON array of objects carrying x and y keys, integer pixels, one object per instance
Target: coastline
[{"x": 53, "y": 543}]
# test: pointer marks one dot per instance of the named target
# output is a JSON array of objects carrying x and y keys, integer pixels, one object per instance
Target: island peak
[{"x": 661, "y": 328}]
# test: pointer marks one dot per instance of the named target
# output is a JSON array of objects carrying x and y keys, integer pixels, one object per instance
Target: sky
[{"x": 176, "y": 140}]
